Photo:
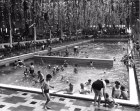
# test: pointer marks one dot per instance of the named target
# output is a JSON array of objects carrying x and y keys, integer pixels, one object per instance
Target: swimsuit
[{"x": 98, "y": 85}]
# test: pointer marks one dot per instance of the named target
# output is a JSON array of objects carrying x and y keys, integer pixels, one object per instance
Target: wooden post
[
  {"x": 34, "y": 33},
  {"x": 11, "y": 40}
]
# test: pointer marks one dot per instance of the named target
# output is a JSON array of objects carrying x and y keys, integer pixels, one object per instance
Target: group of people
[
  {"x": 66, "y": 53},
  {"x": 98, "y": 87},
  {"x": 128, "y": 61},
  {"x": 18, "y": 63},
  {"x": 30, "y": 73},
  {"x": 118, "y": 92}
]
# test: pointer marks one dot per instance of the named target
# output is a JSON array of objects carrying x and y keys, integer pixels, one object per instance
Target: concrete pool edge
[{"x": 61, "y": 94}]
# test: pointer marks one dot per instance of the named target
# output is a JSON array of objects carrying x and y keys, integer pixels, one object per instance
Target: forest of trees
[{"x": 61, "y": 16}]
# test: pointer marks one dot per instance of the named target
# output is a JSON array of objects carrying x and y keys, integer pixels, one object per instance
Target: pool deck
[{"x": 11, "y": 100}]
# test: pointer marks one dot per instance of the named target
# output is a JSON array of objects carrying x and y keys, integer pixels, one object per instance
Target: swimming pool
[{"x": 9, "y": 75}]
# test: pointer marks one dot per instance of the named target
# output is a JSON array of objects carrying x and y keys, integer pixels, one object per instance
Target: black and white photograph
[{"x": 69, "y": 55}]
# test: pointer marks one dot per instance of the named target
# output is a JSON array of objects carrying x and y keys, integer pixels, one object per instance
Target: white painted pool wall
[
  {"x": 132, "y": 83},
  {"x": 75, "y": 60}
]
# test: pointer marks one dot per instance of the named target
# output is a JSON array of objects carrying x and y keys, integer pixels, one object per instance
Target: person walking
[
  {"x": 96, "y": 87},
  {"x": 45, "y": 90}
]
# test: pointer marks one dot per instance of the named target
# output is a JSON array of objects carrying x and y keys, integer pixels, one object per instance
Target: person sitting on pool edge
[
  {"x": 88, "y": 85},
  {"x": 124, "y": 93},
  {"x": 69, "y": 90},
  {"x": 97, "y": 86},
  {"x": 83, "y": 90},
  {"x": 116, "y": 91}
]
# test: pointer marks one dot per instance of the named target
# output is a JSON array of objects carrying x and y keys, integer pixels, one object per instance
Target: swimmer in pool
[
  {"x": 54, "y": 71},
  {"x": 75, "y": 68},
  {"x": 57, "y": 69},
  {"x": 65, "y": 63},
  {"x": 62, "y": 68},
  {"x": 114, "y": 58},
  {"x": 91, "y": 64},
  {"x": 49, "y": 66}
]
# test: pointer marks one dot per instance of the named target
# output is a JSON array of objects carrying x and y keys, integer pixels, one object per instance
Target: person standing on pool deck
[
  {"x": 45, "y": 90},
  {"x": 96, "y": 87}
]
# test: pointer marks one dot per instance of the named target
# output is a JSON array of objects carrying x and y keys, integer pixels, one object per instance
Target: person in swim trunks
[
  {"x": 45, "y": 90},
  {"x": 31, "y": 69},
  {"x": 96, "y": 87}
]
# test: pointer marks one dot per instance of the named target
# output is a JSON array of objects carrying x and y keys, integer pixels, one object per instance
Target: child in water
[
  {"x": 91, "y": 64},
  {"x": 65, "y": 63},
  {"x": 57, "y": 69},
  {"x": 62, "y": 68},
  {"x": 49, "y": 66},
  {"x": 114, "y": 58},
  {"x": 54, "y": 71},
  {"x": 75, "y": 69},
  {"x": 26, "y": 73}
]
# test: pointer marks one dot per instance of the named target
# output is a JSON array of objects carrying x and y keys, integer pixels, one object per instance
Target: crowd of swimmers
[{"x": 98, "y": 86}]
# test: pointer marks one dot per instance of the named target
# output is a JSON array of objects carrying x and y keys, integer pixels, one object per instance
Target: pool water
[
  {"x": 97, "y": 50},
  {"x": 9, "y": 75}
]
